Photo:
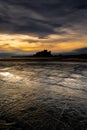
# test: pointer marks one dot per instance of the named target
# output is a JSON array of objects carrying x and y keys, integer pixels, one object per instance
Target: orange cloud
[{"x": 19, "y": 42}]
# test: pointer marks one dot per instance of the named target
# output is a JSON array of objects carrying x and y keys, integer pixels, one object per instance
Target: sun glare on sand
[{"x": 10, "y": 77}]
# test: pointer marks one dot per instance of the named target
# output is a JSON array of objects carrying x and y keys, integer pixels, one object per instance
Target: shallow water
[{"x": 43, "y": 96}]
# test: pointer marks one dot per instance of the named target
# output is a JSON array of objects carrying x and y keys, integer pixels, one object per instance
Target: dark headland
[{"x": 46, "y": 55}]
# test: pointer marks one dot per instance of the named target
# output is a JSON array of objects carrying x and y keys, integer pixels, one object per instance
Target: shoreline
[{"x": 44, "y": 59}]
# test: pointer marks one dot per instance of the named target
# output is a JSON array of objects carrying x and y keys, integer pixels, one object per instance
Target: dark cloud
[
  {"x": 42, "y": 17},
  {"x": 5, "y": 54},
  {"x": 81, "y": 51},
  {"x": 76, "y": 52}
]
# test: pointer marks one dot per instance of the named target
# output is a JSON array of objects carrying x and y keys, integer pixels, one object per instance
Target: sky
[{"x": 28, "y": 26}]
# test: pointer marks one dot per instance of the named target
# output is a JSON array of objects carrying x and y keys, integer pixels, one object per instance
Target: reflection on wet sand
[
  {"x": 43, "y": 96},
  {"x": 9, "y": 76}
]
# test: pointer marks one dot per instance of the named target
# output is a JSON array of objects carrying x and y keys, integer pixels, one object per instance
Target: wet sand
[{"x": 43, "y": 96}]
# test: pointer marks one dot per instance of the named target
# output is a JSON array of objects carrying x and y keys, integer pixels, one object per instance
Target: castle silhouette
[{"x": 44, "y": 53}]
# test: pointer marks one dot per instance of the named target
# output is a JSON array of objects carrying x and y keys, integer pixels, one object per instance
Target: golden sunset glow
[{"x": 19, "y": 43}]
